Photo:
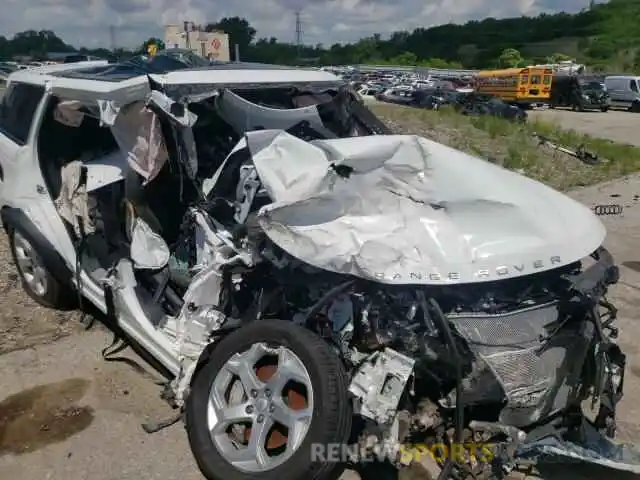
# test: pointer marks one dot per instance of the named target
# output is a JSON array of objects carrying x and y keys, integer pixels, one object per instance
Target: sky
[{"x": 86, "y": 22}]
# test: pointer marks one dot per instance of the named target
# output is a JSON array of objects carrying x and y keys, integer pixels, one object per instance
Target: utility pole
[
  {"x": 298, "y": 33},
  {"x": 112, "y": 37},
  {"x": 187, "y": 25}
]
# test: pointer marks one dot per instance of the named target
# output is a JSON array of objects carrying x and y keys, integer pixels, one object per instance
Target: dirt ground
[
  {"x": 66, "y": 414},
  {"x": 23, "y": 323},
  {"x": 617, "y": 125}
]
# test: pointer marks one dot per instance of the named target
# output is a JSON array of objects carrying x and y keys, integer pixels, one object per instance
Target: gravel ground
[
  {"x": 617, "y": 125},
  {"x": 23, "y": 323}
]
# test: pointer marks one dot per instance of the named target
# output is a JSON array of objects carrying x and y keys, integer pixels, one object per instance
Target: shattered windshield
[{"x": 595, "y": 86}]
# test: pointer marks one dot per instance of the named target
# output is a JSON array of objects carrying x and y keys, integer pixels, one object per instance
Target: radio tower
[{"x": 298, "y": 32}]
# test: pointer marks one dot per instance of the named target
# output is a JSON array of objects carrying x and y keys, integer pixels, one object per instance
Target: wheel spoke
[
  {"x": 258, "y": 440},
  {"x": 296, "y": 421},
  {"x": 242, "y": 365},
  {"x": 39, "y": 278},
  {"x": 230, "y": 415},
  {"x": 24, "y": 262},
  {"x": 255, "y": 453},
  {"x": 29, "y": 265},
  {"x": 289, "y": 369},
  {"x": 245, "y": 373}
]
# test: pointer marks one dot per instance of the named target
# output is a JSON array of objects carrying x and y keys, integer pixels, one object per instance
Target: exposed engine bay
[{"x": 459, "y": 314}]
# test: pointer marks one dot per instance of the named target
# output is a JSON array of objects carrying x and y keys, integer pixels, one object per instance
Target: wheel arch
[{"x": 15, "y": 218}]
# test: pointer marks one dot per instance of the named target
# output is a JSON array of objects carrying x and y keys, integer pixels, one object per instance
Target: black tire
[
  {"x": 332, "y": 410},
  {"x": 635, "y": 107},
  {"x": 604, "y": 109},
  {"x": 55, "y": 295}
]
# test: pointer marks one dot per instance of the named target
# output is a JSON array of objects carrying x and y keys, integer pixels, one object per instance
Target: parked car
[
  {"x": 5, "y": 70},
  {"x": 368, "y": 92},
  {"x": 579, "y": 93},
  {"x": 624, "y": 91},
  {"x": 399, "y": 96},
  {"x": 302, "y": 276},
  {"x": 480, "y": 104},
  {"x": 434, "y": 98}
]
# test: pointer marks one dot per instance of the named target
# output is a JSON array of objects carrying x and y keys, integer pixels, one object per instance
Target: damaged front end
[{"x": 459, "y": 312}]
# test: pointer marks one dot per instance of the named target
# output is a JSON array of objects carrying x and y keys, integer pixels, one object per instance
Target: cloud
[{"x": 86, "y": 22}]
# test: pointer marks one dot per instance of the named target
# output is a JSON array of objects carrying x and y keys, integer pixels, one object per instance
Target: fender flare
[{"x": 15, "y": 218}]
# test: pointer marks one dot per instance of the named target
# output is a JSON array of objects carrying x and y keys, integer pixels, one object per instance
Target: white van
[{"x": 624, "y": 91}]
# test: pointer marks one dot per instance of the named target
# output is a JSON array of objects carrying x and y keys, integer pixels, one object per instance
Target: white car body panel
[
  {"x": 414, "y": 211},
  {"x": 244, "y": 75},
  {"x": 26, "y": 192}
]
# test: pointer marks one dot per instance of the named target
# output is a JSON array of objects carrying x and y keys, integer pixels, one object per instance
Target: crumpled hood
[{"x": 413, "y": 211}]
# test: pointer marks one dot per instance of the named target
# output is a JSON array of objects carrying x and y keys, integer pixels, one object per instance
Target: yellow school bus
[{"x": 522, "y": 86}]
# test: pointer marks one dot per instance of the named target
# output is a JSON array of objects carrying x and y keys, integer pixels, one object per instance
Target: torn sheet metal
[
  {"x": 183, "y": 119},
  {"x": 595, "y": 448},
  {"x": 105, "y": 170},
  {"x": 194, "y": 84},
  {"x": 181, "y": 115},
  {"x": 403, "y": 209},
  {"x": 244, "y": 115},
  {"x": 209, "y": 183}
]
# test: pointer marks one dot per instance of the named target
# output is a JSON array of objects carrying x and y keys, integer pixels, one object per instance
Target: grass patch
[{"x": 513, "y": 146}]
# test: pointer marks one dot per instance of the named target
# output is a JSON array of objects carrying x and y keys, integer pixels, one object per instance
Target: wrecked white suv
[{"x": 304, "y": 277}]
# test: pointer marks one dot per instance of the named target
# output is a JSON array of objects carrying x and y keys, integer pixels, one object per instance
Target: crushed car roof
[
  {"x": 129, "y": 81},
  {"x": 126, "y": 70}
]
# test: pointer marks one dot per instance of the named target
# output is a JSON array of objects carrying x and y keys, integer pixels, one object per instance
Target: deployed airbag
[{"x": 404, "y": 209}]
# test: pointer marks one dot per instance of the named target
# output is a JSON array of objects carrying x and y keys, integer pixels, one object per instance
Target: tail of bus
[{"x": 534, "y": 85}]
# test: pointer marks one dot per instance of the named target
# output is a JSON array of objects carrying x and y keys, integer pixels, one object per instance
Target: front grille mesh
[{"x": 514, "y": 347}]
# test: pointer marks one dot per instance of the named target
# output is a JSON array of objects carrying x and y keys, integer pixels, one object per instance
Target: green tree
[
  {"x": 468, "y": 54},
  {"x": 37, "y": 43},
  {"x": 510, "y": 58},
  {"x": 144, "y": 48},
  {"x": 405, "y": 58}
]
